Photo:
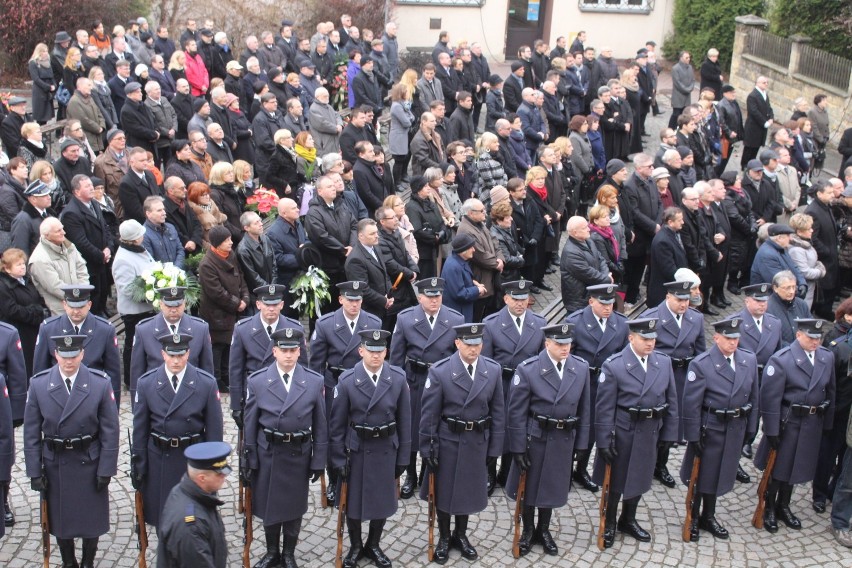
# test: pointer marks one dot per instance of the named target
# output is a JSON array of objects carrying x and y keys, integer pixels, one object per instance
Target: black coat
[
  {"x": 646, "y": 211},
  {"x": 89, "y": 232},
  {"x": 10, "y": 132},
  {"x": 512, "y": 93},
  {"x": 186, "y": 223},
  {"x": 763, "y": 199},
  {"x": 23, "y": 307},
  {"x": 367, "y": 91},
  {"x": 349, "y": 136},
  {"x": 427, "y": 222},
  {"x": 132, "y": 193},
  {"x": 759, "y": 111},
  {"x": 695, "y": 241},
  {"x": 331, "y": 230},
  {"x": 369, "y": 184},
  {"x": 281, "y": 172},
  {"x": 731, "y": 119},
  {"x": 824, "y": 240},
  {"x": 581, "y": 266},
  {"x": 398, "y": 260},
  {"x": 360, "y": 265},
  {"x": 264, "y": 126},
  {"x": 139, "y": 125},
  {"x": 667, "y": 255},
  {"x": 183, "y": 109},
  {"x": 711, "y": 74},
  {"x": 460, "y": 125}
]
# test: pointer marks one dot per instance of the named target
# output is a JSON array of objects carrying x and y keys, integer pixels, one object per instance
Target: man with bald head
[
  {"x": 325, "y": 124},
  {"x": 581, "y": 265},
  {"x": 286, "y": 237},
  {"x": 165, "y": 120},
  {"x": 760, "y": 118}
]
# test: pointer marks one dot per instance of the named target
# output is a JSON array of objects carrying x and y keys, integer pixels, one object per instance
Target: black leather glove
[
  {"x": 774, "y": 441},
  {"x": 532, "y": 242},
  {"x": 315, "y": 474},
  {"x": 400, "y": 469},
  {"x": 17, "y": 423},
  {"x": 664, "y": 446},
  {"x": 439, "y": 236},
  {"x": 431, "y": 461},
  {"x": 38, "y": 483},
  {"x": 491, "y": 461},
  {"x": 238, "y": 418},
  {"x": 342, "y": 472},
  {"x": 522, "y": 460},
  {"x": 136, "y": 480},
  {"x": 608, "y": 454},
  {"x": 102, "y": 483},
  {"x": 802, "y": 291},
  {"x": 246, "y": 475},
  {"x": 697, "y": 448}
]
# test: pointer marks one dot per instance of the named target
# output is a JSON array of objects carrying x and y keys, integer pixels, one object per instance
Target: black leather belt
[
  {"x": 417, "y": 365},
  {"x": 276, "y": 437},
  {"x": 336, "y": 371},
  {"x": 508, "y": 372},
  {"x": 637, "y": 413},
  {"x": 681, "y": 363},
  {"x": 365, "y": 431},
  {"x": 77, "y": 443},
  {"x": 594, "y": 370},
  {"x": 165, "y": 442},
  {"x": 458, "y": 425},
  {"x": 805, "y": 410},
  {"x": 729, "y": 413},
  {"x": 551, "y": 423}
]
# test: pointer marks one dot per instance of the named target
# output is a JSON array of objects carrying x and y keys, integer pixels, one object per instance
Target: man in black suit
[
  {"x": 667, "y": 255},
  {"x": 137, "y": 121},
  {"x": 85, "y": 227},
  {"x": 731, "y": 122},
  {"x": 513, "y": 86},
  {"x": 368, "y": 180},
  {"x": 646, "y": 209},
  {"x": 117, "y": 84},
  {"x": 366, "y": 264},
  {"x": 136, "y": 185},
  {"x": 760, "y": 118},
  {"x": 180, "y": 214},
  {"x": 449, "y": 82},
  {"x": 824, "y": 240}
]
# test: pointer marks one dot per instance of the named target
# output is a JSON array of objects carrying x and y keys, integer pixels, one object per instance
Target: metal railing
[
  {"x": 825, "y": 67},
  {"x": 769, "y": 47}
]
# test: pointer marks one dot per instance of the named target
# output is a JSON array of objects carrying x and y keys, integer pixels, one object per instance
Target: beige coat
[
  {"x": 486, "y": 252},
  {"x": 52, "y": 266},
  {"x": 86, "y": 111},
  {"x": 109, "y": 170},
  {"x": 208, "y": 219}
]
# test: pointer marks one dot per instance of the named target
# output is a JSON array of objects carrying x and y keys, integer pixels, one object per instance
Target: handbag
[{"x": 63, "y": 95}]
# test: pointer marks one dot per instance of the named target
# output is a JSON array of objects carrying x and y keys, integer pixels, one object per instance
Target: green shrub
[{"x": 827, "y": 22}]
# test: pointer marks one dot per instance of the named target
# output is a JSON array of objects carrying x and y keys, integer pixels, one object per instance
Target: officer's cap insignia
[
  {"x": 377, "y": 335},
  {"x": 474, "y": 328},
  {"x": 521, "y": 285},
  {"x": 564, "y": 329},
  {"x": 176, "y": 338},
  {"x": 818, "y": 324},
  {"x": 288, "y": 332},
  {"x": 272, "y": 288},
  {"x": 735, "y": 323},
  {"x": 652, "y": 324},
  {"x": 356, "y": 285},
  {"x": 610, "y": 289},
  {"x": 764, "y": 287},
  {"x": 434, "y": 282},
  {"x": 173, "y": 291},
  {"x": 75, "y": 292},
  {"x": 68, "y": 341}
]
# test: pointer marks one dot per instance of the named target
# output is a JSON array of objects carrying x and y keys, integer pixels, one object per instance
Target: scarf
[
  {"x": 310, "y": 156},
  {"x": 541, "y": 191},
  {"x": 606, "y": 232},
  {"x": 220, "y": 253},
  {"x": 131, "y": 247}
]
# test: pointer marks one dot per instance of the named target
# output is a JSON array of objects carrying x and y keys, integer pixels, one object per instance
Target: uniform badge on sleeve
[
  {"x": 517, "y": 380},
  {"x": 335, "y": 392},
  {"x": 690, "y": 376},
  {"x": 601, "y": 377},
  {"x": 428, "y": 383},
  {"x": 770, "y": 370}
]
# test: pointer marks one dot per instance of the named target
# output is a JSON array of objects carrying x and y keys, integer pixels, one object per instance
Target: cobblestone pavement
[{"x": 574, "y": 526}]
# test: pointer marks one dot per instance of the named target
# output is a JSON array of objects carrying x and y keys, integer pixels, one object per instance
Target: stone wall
[{"x": 785, "y": 84}]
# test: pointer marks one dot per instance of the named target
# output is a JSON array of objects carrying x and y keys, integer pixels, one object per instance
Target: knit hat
[
  {"x": 499, "y": 193},
  {"x": 463, "y": 242},
  {"x": 516, "y": 65},
  {"x": 218, "y": 235},
  {"x": 198, "y": 103},
  {"x": 614, "y": 166},
  {"x": 112, "y": 134},
  {"x": 684, "y": 151},
  {"x": 130, "y": 230}
]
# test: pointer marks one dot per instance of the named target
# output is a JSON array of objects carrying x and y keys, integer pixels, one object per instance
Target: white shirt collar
[
  {"x": 180, "y": 376},
  {"x": 639, "y": 357},
  {"x": 377, "y": 373}
]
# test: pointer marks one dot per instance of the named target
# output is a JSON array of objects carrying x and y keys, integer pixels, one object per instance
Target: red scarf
[
  {"x": 606, "y": 232},
  {"x": 541, "y": 190},
  {"x": 220, "y": 253}
]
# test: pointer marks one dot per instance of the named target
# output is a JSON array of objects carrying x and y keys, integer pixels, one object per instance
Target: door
[{"x": 525, "y": 24}]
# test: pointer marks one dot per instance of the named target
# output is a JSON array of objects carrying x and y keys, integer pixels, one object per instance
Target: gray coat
[
  {"x": 401, "y": 121},
  {"x": 683, "y": 82},
  {"x": 372, "y": 461},
  {"x": 790, "y": 378},
  {"x": 193, "y": 409},
  {"x": 75, "y": 507},
  {"x": 165, "y": 119},
  {"x": 763, "y": 343},
  {"x": 461, "y": 479},
  {"x": 582, "y": 157},
  {"x": 712, "y": 383},
  {"x": 624, "y": 384},
  {"x": 276, "y": 466},
  {"x": 537, "y": 389},
  {"x": 86, "y": 110},
  {"x": 581, "y": 265},
  {"x": 323, "y": 121}
]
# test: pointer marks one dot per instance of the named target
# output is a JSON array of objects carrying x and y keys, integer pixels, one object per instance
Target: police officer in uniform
[
  {"x": 637, "y": 409},
  {"x": 334, "y": 348},
  {"x": 71, "y": 447},
  {"x": 191, "y": 532},
  {"x": 147, "y": 351},
  {"x": 177, "y": 405},
  {"x": 251, "y": 345},
  {"x": 101, "y": 346},
  {"x": 719, "y": 410},
  {"x": 548, "y": 417},
  {"x": 286, "y": 443},
  {"x": 462, "y": 427},
  {"x": 760, "y": 334},
  {"x": 512, "y": 335},
  {"x": 7, "y": 449},
  {"x": 370, "y": 435},
  {"x": 599, "y": 331},
  {"x": 796, "y": 403},
  {"x": 423, "y": 335},
  {"x": 680, "y": 335},
  {"x": 13, "y": 369}
]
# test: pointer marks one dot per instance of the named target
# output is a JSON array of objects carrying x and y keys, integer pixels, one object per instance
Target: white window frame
[{"x": 616, "y": 6}]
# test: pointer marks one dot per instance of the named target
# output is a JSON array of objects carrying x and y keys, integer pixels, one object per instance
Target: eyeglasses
[
  {"x": 477, "y": 210},
  {"x": 388, "y": 218}
]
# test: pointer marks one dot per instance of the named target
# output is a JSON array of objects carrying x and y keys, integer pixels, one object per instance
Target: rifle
[
  {"x": 604, "y": 505},
  {"x": 45, "y": 529},
  {"x": 240, "y": 487},
  {"x": 757, "y": 518},
  {"x": 341, "y": 517},
  {"x": 691, "y": 500},
  {"x": 430, "y": 552},
  {"x": 519, "y": 508},
  {"x": 140, "y": 528},
  {"x": 247, "y": 519},
  {"x": 323, "y": 497}
]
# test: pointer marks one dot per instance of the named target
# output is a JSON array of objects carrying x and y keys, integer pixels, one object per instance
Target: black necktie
[
  {"x": 269, "y": 330},
  {"x": 518, "y": 323},
  {"x": 470, "y": 370},
  {"x": 286, "y": 378},
  {"x": 76, "y": 330},
  {"x": 68, "y": 385},
  {"x": 173, "y": 328},
  {"x": 174, "y": 382},
  {"x": 642, "y": 360},
  {"x": 44, "y": 215},
  {"x": 432, "y": 320},
  {"x": 601, "y": 321},
  {"x": 758, "y": 326},
  {"x": 677, "y": 317},
  {"x": 559, "y": 366},
  {"x": 730, "y": 362},
  {"x": 375, "y": 378}
]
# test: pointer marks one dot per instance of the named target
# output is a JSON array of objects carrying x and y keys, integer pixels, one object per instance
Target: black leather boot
[
  {"x": 708, "y": 520},
  {"x": 628, "y": 524},
  {"x": 66, "y": 551},
  {"x": 272, "y": 558},
  {"x": 694, "y": 533},
  {"x": 8, "y": 514},
  {"x": 331, "y": 488},
  {"x": 90, "y": 549},
  {"x": 782, "y": 510},
  {"x": 459, "y": 539},
  {"x": 769, "y": 522},
  {"x": 356, "y": 545},
  {"x": 525, "y": 542},
  {"x": 410, "y": 483},
  {"x": 492, "y": 478},
  {"x": 611, "y": 511},
  {"x": 661, "y": 470},
  {"x": 542, "y": 534},
  {"x": 503, "y": 472},
  {"x": 288, "y": 556},
  {"x": 581, "y": 473},
  {"x": 373, "y": 551},
  {"x": 442, "y": 549}
]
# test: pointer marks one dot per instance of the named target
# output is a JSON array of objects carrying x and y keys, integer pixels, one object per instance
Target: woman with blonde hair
[
  {"x": 306, "y": 155},
  {"x": 489, "y": 168},
  {"x": 803, "y": 254},
  {"x": 401, "y": 123},
  {"x": 603, "y": 237},
  {"x": 205, "y": 209},
  {"x": 223, "y": 190},
  {"x": 43, "y": 171},
  {"x": 32, "y": 148},
  {"x": 73, "y": 69},
  {"x": 244, "y": 182},
  {"x": 631, "y": 93},
  {"x": 44, "y": 86},
  {"x": 406, "y": 229},
  {"x": 177, "y": 65}
]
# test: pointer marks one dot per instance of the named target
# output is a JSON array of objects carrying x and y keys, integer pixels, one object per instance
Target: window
[
  {"x": 618, "y": 6},
  {"x": 458, "y": 3}
]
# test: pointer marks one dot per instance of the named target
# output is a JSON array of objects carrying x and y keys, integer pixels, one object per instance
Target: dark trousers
[
  {"x": 831, "y": 450},
  {"x": 130, "y": 321},
  {"x": 676, "y": 112},
  {"x": 400, "y": 167},
  {"x": 477, "y": 110},
  {"x": 749, "y": 153},
  {"x": 221, "y": 357},
  {"x": 634, "y": 267},
  {"x": 100, "y": 278},
  {"x": 823, "y": 304}
]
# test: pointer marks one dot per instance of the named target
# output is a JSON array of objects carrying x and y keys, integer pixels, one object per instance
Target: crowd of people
[{"x": 437, "y": 201}]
